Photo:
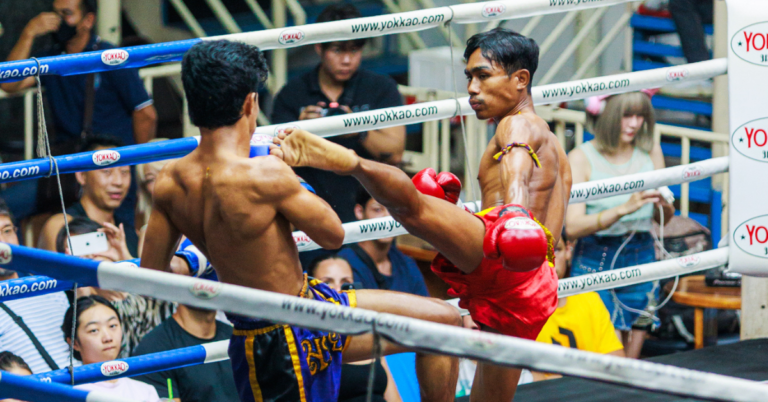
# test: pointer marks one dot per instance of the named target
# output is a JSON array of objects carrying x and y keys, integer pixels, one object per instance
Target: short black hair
[
  {"x": 83, "y": 303},
  {"x": 9, "y": 360},
  {"x": 5, "y": 210},
  {"x": 77, "y": 226},
  {"x": 325, "y": 257},
  {"x": 93, "y": 141},
  {"x": 362, "y": 197},
  {"x": 508, "y": 48},
  {"x": 218, "y": 76},
  {"x": 89, "y": 6},
  {"x": 338, "y": 12}
]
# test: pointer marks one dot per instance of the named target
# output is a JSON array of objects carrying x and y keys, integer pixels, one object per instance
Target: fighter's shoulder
[
  {"x": 166, "y": 181},
  {"x": 529, "y": 127},
  {"x": 270, "y": 174}
]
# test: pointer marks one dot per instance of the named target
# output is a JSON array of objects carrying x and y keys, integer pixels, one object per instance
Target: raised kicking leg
[
  {"x": 437, "y": 373},
  {"x": 455, "y": 233}
]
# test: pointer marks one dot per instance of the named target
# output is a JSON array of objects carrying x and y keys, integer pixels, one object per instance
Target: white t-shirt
[
  {"x": 43, "y": 315},
  {"x": 124, "y": 387}
]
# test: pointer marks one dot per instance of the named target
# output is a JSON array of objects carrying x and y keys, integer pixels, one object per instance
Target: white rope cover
[
  {"x": 427, "y": 336},
  {"x": 642, "y": 273},
  {"x": 411, "y": 21},
  {"x": 379, "y": 228},
  {"x": 561, "y": 92}
]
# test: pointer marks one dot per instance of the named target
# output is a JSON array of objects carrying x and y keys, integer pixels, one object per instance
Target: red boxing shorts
[{"x": 513, "y": 303}]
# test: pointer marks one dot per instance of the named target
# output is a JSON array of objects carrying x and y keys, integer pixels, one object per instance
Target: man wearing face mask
[{"x": 113, "y": 102}]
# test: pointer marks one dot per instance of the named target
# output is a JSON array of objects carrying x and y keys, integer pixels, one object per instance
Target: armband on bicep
[{"x": 523, "y": 145}]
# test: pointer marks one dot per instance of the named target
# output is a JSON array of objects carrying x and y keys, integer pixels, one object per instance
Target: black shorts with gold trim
[{"x": 273, "y": 362}]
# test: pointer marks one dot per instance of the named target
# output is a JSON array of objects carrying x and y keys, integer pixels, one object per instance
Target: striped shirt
[{"x": 44, "y": 316}]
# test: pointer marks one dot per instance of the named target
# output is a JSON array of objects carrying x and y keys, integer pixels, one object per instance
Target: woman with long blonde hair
[{"x": 615, "y": 232}]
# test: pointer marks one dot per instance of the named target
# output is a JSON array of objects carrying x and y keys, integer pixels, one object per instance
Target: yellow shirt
[{"x": 584, "y": 324}]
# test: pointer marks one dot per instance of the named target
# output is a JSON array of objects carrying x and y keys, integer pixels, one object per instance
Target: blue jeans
[{"x": 595, "y": 253}]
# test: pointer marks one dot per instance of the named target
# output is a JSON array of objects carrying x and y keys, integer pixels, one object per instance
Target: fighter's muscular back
[
  {"x": 238, "y": 211},
  {"x": 548, "y": 186}
]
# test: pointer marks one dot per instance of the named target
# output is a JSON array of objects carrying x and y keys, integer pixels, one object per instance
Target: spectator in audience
[
  {"x": 15, "y": 365},
  {"x": 139, "y": 314},
  {"x": 190, "y": 326},
  {"x": 336, "y": 272},
  {"x": 580, "y": 321},
  {"x": 103, "y": 192},
  {"x": 378, "y": 264},
  {"x": 120, "y": 106},
  {"x": 98, "y": 336},
  {"x": 623, "y": 145},
  {"x": 337, "y": 86},
  {"x": 690, "y": 16},
  {"x": 25, "y": 324}
]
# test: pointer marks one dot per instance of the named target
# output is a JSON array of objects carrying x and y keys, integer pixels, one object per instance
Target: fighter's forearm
[{"x": 388, "y": 185}]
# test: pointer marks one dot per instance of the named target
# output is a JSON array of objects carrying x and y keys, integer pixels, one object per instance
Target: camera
[{"x": 333, "y": 109}]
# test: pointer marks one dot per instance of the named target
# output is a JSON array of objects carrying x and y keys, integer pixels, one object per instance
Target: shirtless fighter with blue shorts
[{"x": 238, "y": 211}]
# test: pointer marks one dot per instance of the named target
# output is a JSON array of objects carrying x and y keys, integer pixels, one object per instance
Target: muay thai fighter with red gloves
[{"x": 499, "y": 261}]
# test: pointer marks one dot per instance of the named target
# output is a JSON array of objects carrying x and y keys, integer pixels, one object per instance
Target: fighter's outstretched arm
[
  {"x": 517, "y": 164},
  {"x": 308, "y": 212}
]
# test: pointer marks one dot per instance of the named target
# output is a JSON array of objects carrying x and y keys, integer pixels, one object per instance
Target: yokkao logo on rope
[
  {"x": 105, "y": 157},
  {"x": 751, "y": 43},
  {"x": 281, "y": 129},
  {"x": 114, "y": 57},
  {"x": 6, "y": 255},
  {"x": 205, "y": 289},
  {"x": 751, "y": 139},
  {"x": 752, "y": 236},
  {"x": 688, "y": 261},
  {"x": 677, "y": 74},
  {"x": 301, "y": 240},
  {"x": 289, "y": 36},
  {"x": 113, "y": 368},
  {"x": 691, "y": 171},
  {"x": 491, "y": 10}
]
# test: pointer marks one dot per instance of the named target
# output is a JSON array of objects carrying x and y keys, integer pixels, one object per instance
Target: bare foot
[{"x": 300, "y": 148}]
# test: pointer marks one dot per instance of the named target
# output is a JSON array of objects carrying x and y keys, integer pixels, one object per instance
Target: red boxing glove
[
  {"x": 515, "y": 238},
  {"x": 445, "y": 185}
]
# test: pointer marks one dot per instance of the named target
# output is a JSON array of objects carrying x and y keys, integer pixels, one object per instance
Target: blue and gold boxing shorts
[{"x": 278, "y": 363}]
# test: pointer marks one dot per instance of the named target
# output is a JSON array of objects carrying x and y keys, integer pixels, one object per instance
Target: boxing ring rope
[
  {"x": 405, "y": 331},
  {"x": 362, "y": 121},
  {"x": 379, "y": 228},
  {"x": 29, "y": 286},
  {"x": 25, "y": 388},
  {"x": 280, "y": 38},
  {"x": 211, "y": 352},
  {"x": 642, "y": 273}
]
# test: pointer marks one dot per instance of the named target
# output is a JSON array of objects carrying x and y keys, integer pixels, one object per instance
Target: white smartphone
[{"x": 89, "y": 243}]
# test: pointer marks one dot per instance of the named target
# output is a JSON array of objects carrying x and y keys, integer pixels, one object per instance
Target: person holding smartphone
[{"x": 139, "y": 314}]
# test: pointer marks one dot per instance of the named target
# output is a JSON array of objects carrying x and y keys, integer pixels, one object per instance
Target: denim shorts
[{"x": 595, "y": 253}]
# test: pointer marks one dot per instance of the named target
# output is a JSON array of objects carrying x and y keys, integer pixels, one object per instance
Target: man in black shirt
[
  {"x": 190, "y": 326},
  {"x": 337, "y": 86}
]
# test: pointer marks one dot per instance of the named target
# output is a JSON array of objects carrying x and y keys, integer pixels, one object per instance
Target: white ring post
[{"x": 748, "y": 86}]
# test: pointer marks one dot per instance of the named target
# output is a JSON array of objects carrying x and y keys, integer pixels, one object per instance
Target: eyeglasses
[{"x": 9, "y": 230}]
